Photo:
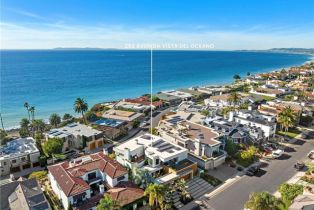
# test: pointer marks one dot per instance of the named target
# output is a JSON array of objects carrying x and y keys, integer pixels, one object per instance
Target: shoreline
[{"x": 223, "y": 83}]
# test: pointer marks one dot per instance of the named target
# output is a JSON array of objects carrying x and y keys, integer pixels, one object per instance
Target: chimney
[
  {"x": 105, "y": 151},
  {"x": 231, "y": 115},
  {"x": 101, "y": 189}
]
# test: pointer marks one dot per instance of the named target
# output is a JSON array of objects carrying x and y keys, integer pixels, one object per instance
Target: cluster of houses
[{"x": 186, "y": 140}]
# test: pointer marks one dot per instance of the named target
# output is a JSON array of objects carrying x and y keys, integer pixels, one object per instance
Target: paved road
[{"x": 277, "y": 172}]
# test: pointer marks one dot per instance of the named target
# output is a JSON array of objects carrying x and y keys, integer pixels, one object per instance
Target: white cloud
[{"x": 50, "y": 35}]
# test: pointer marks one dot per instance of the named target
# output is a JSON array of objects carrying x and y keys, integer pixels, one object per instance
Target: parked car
[
  {"x": 311, "y": 155},
  {"x": 299, "y": 166},
  {"x": 307, "y": 134},
  {"x": 277, "y": 153},
  {"x": 252, "y": 170}
]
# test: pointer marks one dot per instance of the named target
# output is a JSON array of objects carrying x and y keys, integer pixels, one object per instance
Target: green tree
[
  {"x": 107, "y": 203},
  {"x": 231, "y": 148},
  {"x": 236, "y": 77},
  {"x": 156, "y": 193},
  {"x": 32, "y": 111},
  {"x": 234, "y": 98},
  {"x": 290, "y": 191},
  {"x": 90, "y": 116},
  {"x": 205, "y": 112},
  {"x": 39, "y": 126},
  {"x": 180, "y": 185},
  {"x": 67, "y": 116},
  {"x": 153, "y": 131},
  {"x": 24, "y": 128},
  {"x": 54, "y": 119},
  {"x": 135, "y": 123},
  {"x": 39, "y": 175},
  {"x": 4, "y": 138},
  {"x": 52, "y": 146},
  {"x": 155, "y": 98},
  {"x": 80, "y": 106},
  {"x": 248, "y": 74},
  {"x": 287, "y": 118},
  {"x": 26, "y": 105},
  {"x": 263, "y": 201}
]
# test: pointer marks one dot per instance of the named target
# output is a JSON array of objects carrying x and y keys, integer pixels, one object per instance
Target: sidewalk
[{"x": 292, "y": 180}]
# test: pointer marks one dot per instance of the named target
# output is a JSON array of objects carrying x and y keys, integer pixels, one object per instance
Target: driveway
[
  {"x": 223, "y": 172},
  {"x": 273, "y": 174}
]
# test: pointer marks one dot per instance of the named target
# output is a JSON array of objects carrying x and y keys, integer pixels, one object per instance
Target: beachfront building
[
  {"x": 169, "y": 99},
  {"x": 190, "y": 106},
  {"x": 18, "y": 155},
  {"x": 270, "y": 92},
  {"x": 160, "y": 158},
  {"x": 213, "y": 90},
  {"x": 201, "y": 141},
  {"x": 130, "y": 106},
  {"x": 218, "y": 100},
  {"x": 111, "y": 128},
  {"x": 183, "y": 95},
  {"x": 197, "y": 95},
  {"x": 145, "y": 100},
  {"x": 23, "y": 194},
  {"x": 126, "y": 116},
  {"x": 83, "y": 181},
  {"x": 78, "y": 136}
]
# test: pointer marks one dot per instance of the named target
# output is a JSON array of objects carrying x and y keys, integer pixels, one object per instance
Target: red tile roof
[
  {"x": 126, "y": 193},
  {"x": 68, "y": 175}
]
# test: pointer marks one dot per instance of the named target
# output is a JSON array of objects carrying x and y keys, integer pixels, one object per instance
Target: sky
[{"x": 215, "y": 24}]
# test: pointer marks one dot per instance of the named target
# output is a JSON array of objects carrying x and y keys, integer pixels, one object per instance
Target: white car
[{"x": 277, "y": 153}]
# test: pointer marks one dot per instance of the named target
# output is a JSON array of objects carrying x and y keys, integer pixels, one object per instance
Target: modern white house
[
  {"x": 201, "y": 141},
  {"x": 155, "y": 155},
  {"x": 18, "y": 155},
  {"x": 218, "y": 100},
  {"x": 82, "y": 182},
  {"x": 183, "y": 95},
  {"x": 267, "y": 123},
  {"x": 77, "y": 136}
]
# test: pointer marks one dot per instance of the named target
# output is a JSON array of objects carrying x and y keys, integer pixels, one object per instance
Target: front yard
[
  {"x": 291, "y": 133},
  {"x": 210, "y": 179}
]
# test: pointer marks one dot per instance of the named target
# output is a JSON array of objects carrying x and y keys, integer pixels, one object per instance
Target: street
[{"x": 272, "y": 175}]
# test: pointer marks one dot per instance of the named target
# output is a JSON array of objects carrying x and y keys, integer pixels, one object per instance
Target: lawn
[
  {"x": 210, "y": 179},
  {"x": 291, "y": 133}
]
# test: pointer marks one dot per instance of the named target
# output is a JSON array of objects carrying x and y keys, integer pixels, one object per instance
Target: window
[
  {"x": 4, "y": 163},
  {"x": 120, "y": 178},
  {"x": 157, "y": 161},
  {"x": 23, "y": 159},
  {"x": 14, "y": 161},
  {"x": 91, "y": 176}
]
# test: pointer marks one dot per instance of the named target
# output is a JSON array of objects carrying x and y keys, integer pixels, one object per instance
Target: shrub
[
  {"x": 39, "y": 175},
  {"x": 290, "y": 191}
]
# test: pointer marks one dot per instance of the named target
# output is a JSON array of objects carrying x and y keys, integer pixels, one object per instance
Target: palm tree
[
  {"x": 156, "y": 194},
  {"x": 80, "y": 106},
  {"x": 263, "y": 201},
  {"x": 236, "y": 77},
  {"x": 26, "y": 105},
  {"x": 180, "y": 184},
  {"x": 55, "y": 119},
  {"x": 287, "y": 118},
  {"x": 234, "y": 98},
  {"x": 32, "y": 111},
  {"x": 107, "y": 203}
]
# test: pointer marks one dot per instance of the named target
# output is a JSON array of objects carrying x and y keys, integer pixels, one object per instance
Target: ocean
[{"x": 51, "y": 80}]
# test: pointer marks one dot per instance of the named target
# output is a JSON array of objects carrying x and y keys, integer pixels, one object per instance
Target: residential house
[
  {"x": 218, "y": 100},
  {"x": 169, "y": 99},
  {"x": 111, "y": 128},
  {"x": 127, "y": 116},
  {"x": 190, "y": 106},
  {"x": 183, "y": 95},
  {"x": 201, "y": 142},
  {"x": 23, "y": 194},
  {"x": 198, "y": 95},
  {"x": 303, "y": 202},
  {"x": 145, "y": 100},
  {"x": 78, "y": 136},
  {"x": 18, "y": 155},
  {"x": 270, "y": 92},
  {"x": 160, "y": 158},
  {"x": 82, "y": 182},
  {"x": 130, "y": 106},
  {"x": 213, "y": 90}
]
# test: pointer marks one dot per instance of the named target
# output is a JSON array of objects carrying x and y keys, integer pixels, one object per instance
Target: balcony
[{"x": 94, "y": 180}]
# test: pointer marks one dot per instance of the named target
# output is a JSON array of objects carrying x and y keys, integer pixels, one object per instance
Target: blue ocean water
[{"x": 51, "y": 80}]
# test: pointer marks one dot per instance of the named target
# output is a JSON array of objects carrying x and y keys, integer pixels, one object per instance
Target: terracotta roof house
[
  {"x": 303, "y": 202},
  {"x": 128, "y": 195},
  {"x": 144, "y": 100},
  {"x": 82, "y": 180}
]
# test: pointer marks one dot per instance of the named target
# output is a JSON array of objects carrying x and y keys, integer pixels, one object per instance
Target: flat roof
[
  {"x": 75, "y": 129},
  {"x": 18, "y": 147},
  {"x": 177, "y": 93},
  {"x": 121, "y": 115}
]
